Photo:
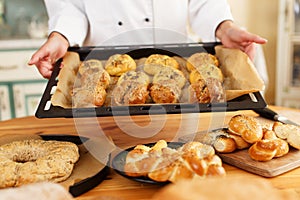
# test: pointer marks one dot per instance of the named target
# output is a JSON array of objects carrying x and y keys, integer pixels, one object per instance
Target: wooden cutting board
[
  {"x": 242, "y": 160},
  {"x": 274, "y": 167}
]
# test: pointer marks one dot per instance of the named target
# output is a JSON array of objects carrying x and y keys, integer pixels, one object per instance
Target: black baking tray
[{"x": 47, "y": 110}]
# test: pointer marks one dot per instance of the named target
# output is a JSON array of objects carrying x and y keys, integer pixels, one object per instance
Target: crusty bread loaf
[{"x": 35, "y": 160}]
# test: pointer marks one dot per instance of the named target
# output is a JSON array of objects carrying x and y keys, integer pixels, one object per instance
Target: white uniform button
[{"x": 120, "y": 23}]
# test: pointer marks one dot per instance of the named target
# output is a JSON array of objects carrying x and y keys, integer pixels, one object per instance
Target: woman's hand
[
  {"x": 54, "y": 48},
  {"x": 233, "y": 36}
]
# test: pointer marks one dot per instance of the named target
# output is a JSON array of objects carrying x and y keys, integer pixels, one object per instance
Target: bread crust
[
  {"x": 29, "y": 161},
  {"x": 89, "y": 66},
  {"x": 202, "y": 58},
  {"x": 155, "y": 62},
  {"x": 206, "y": 71},
  {"x": 165, "y": 164},
  {"x": 209, "y": 90},
  {"x": 131, "y": 88},
  {"x": 263, "y": 150},
  {"x": 247, "y": 127},
  {"x": 118, "y": 64},
  {"x": 91, "y": 86},
  {"x": 166, "y": 91}
]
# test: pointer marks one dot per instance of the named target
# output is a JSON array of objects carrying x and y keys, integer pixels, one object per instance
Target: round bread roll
[
  {"x": 90, "y": 66},
  {"x": 263, "y": 150},
  {"x": 206, "y": 71},
  {"x": 139, "y": 77},
  {"x": 118, "y": 64},
  {"x": 30, "y": 161},
  {"x": 282, "y": 146},
  {"x": 166, "y": 91},
  {"x": 92, "y": 90},
  {"x": 155, "y": 62},
  {"x": 206, "y": 91},
  {"x": 130, "y": 92},
  {"x": 247, "y": 127},
  {"x": 198, "y": 59},
  {"x": 169, "y": 73}
]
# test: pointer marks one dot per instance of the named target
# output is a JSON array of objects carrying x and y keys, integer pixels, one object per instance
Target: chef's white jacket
[{"x": 114, "y": 22}]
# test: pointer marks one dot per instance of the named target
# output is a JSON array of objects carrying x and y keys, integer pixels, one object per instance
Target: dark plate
[
  {"x": 47, "y": 110},
  {"x": 118, "y": 163}
]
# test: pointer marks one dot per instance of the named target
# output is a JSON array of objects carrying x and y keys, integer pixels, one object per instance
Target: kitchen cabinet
[
  {"x": 288, "y": 54},
  {"x": 23, "y": 29},
  {"x": 5, "y": 108},
  {"x": 21, "y": 86}
]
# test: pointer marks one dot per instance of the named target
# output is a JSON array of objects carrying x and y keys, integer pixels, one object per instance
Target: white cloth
[{"x": 116, "y": 22}]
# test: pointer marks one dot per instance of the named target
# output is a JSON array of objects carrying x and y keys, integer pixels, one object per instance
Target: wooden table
[{"x": 126, "y": 132}]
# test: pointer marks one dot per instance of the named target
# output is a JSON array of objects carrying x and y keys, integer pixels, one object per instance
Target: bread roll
[
  {"x": 92, "y": 91},
  {"x": 118, "y": 64},
  {"x": 89, "y": 66},
  {"x": 224, "y": 144},
  {"x": 130, "y": 92},
  {"x": 294, "y": 139},
  {"x": 165, "y": 91},
  {"x": 289, "y": 132},
  {"x": 263, "y": 150},
  {"x": 168, "y": 73},
  {"x": 206, "y": 71},
  {"x": 239, "y": 141},
  {"x": 247, "y": 127},
  {"x": 156, "y": 62},
  {"x": 202, "y": 58},
  {"x": 161, "y": 163},
  {"x": 206, "y": 91}
]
